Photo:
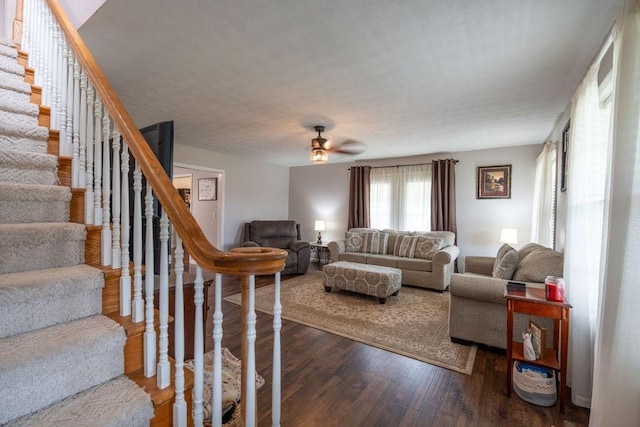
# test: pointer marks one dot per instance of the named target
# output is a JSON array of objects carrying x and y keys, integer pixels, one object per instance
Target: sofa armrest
[
  {"x": 483, "y": 288},
  {"x": 479, "y": 265},
  {"x": 446, "y": 255},
  {"x": 443, "y": 265},
  {"x": 296, "y": 245},
  {"x": 335, "y": 249},
  {"x": 250, "y": 244}
]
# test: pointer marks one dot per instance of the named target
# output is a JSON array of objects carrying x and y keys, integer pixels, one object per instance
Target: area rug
[{"x": 415, "y": 323}]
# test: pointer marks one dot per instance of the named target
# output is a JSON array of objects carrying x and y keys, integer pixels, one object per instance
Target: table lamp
[
  {"x": 319, "y": 228},
  {"x": 509, "y": 235}
]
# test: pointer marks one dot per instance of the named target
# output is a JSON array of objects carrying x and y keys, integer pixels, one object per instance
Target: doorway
[{"x": 204, "y": 189}]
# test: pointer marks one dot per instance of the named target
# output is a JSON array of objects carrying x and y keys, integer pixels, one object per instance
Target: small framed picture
[
  {"x": 538, "y": 339},
  {"x": 208, "y": 189},
  {"x": 494, "y": 182}
]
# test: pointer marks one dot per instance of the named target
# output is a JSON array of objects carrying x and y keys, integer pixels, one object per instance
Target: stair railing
[{"x": 99, "y": 135}]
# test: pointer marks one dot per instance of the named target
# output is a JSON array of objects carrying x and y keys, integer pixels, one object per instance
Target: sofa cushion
[
  {"x": 506, "y": 262},
  {"x": 415, "y": 264},
  {"x": 405, "y": 246},
  {"x": 383, "y": 260},
  {"x": 538, "y": 264},
  {"x": 354, "y": 257},
  {"x": 448, "y": 237},
  {"x": 353, "y": 242},
  {"x": 393, "y": 237},
  {"x": 426, "y": 247},
  {"x": 375, "y": 243},
  {"x": 528, "y": 248}
]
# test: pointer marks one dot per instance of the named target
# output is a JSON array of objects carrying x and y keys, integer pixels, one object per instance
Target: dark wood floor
[{"x": 328, "y": 380}]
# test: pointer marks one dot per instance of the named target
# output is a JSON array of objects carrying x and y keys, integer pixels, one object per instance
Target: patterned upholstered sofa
[
  {"x": 478, "y": 310},
  {"x": 426, "y": 259}
]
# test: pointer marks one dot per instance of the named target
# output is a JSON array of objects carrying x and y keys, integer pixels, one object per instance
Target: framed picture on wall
[
  {"x": 208, "y": 189},
  {"x": 494, "y": 182}
]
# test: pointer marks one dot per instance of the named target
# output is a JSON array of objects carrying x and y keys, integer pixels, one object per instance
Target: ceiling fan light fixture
[{"x": 319, "y": 157}]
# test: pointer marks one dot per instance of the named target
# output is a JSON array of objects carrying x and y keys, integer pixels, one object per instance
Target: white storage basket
[{"x": 534, "y": 384}]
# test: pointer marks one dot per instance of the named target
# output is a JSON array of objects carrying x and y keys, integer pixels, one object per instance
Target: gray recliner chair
[{"x": 282, "y": 234}]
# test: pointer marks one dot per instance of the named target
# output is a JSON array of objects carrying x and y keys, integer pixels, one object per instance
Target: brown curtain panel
[
  {"x": 443, "y": 195},
  {"x": 359, "y": 196}
]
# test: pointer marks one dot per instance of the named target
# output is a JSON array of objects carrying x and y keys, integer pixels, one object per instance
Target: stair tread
[
  {"x": 51, "y": 296},
  {"x": 39, "y": 231},
  {"x": 10, "y": 191},
  {"x": 64, "y": 359},
  {"x": 119, "y": 402}
]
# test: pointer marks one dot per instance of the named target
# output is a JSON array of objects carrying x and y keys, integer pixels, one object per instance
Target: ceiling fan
[{"x": 320, "y": 147}]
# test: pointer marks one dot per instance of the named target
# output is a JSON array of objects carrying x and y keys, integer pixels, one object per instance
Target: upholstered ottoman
[{"x": 374, "y": 280}]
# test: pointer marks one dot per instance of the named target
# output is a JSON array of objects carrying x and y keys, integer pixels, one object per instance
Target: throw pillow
[
  {"x": 539, "y": 264},
  {"x": 375, "y": 243},
  {"x": 405, "y": 246},
  {"x": 426, "y": 247},
  {"x": 352, "y": 242},
  {"x": 506, "y": 263}
]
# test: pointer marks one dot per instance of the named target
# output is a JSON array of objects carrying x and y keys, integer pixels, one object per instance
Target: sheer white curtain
[
  {"x": 616, "y": 395},
  {"x": 400, "y": 197},
  {"x": 544, "y": 197},
  {"x": 588, "y": 158}
]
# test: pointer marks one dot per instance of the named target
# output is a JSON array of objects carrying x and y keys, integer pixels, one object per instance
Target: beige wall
[
  {"x": 252, "y": 190},
  {"x": 321, "y": 192}
]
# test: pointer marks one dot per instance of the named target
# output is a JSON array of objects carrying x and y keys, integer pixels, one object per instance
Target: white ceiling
[{"x": 252, "y": 78}]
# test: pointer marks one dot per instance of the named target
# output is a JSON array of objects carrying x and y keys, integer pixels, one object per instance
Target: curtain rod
[{"x": 398, "y": 166}]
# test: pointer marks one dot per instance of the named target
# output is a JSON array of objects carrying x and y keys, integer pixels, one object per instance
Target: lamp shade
[
  {"x": 509, "y": 235},
  {"x": 318, "y": 156},
  {"x": 319, "y": 225}
]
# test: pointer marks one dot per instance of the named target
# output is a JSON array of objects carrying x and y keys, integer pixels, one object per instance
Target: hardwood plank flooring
[{"x": 329, "y": 381}]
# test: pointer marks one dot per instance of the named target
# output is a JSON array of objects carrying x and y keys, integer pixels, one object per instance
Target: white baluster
[
  {"x": 250, "y": 386},
  {"x": 69, "y": 127},
  {"x": 88, "y": 193},
  {"x": 216, "y": 416},
  {"x": 198, "y": 349},
  {"x": 61, "y": 79},
  {"x": 179, "y": 405},
  {"x": 48, "y": 58},
  {"x": 39, "y": 65},
  {"x": 82, "y": 156},
  {"x": 106, "y": 190},
  {"x": 55, "y": 69},
  {"x": 164, "y": 376},
  {"x": 75, "y": 126},
  {"x": 115, "y": 202},
  {"x": 149, "y": 332},
  {"x": 26, "y": 28},
  {"x": 64, "y": 81},
  {"x": 276, "y": 380},
  {"x": 137, "y": 306},
  {"x": 97, "y": 162},
  {"x": 125, "y": 277}
]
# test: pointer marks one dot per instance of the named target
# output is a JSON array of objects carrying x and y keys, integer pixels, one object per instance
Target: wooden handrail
[{"x": 240, "y": 261}]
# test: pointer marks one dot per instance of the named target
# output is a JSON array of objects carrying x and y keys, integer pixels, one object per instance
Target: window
[{"x": 400, "y": 197}]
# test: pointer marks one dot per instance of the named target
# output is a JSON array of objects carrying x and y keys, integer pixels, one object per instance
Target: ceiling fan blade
[{"x": 349, "y": 146}]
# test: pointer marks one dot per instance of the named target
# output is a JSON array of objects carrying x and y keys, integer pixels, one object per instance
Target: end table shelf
[{"x": 532, "y": 302}]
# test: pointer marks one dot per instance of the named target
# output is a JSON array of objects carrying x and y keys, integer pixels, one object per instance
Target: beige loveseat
[
  {"x": 478, "y": 310},
  {"x": 426, "y": 259}
]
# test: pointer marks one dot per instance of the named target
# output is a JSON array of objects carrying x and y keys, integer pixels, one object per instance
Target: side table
[
  {"x": 321, "y": 251},
  {"x": 532, "y": 302}
]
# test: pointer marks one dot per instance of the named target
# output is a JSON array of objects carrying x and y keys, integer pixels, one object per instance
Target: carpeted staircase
[{"x": 61, "y": 360}]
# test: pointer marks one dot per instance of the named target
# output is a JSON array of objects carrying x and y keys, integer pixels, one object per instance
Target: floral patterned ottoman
[{"x": 374, "y": 280}]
